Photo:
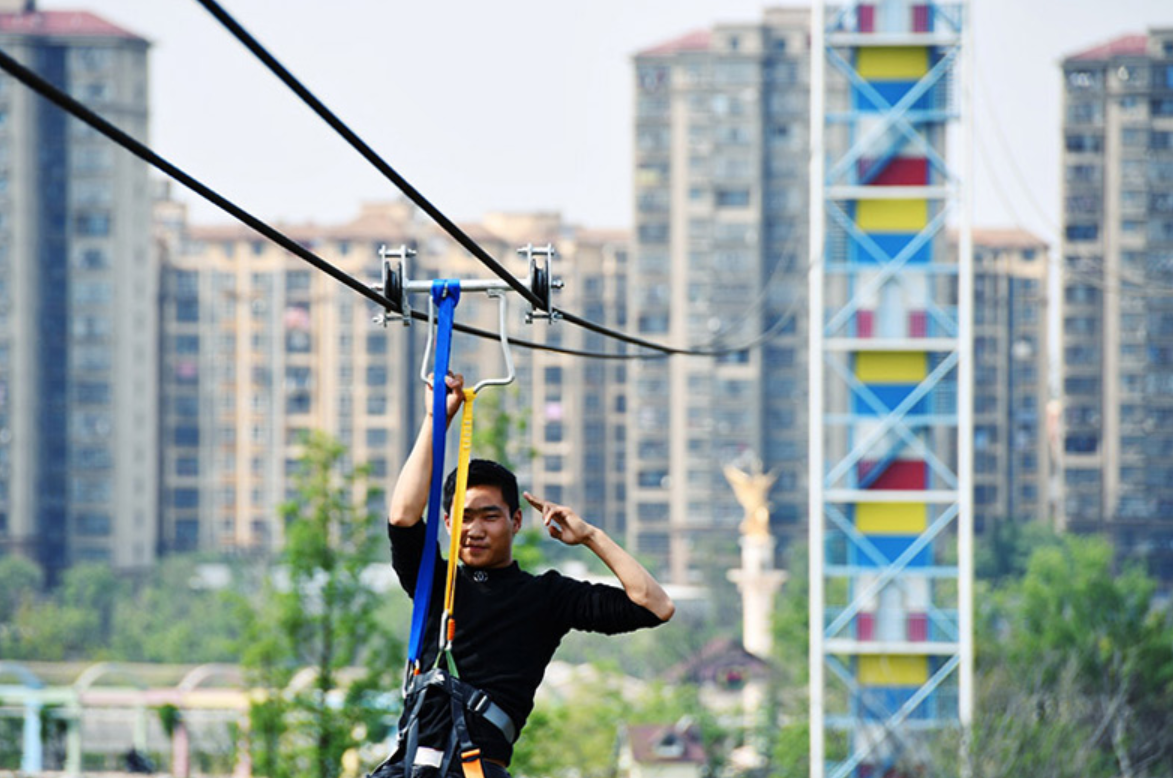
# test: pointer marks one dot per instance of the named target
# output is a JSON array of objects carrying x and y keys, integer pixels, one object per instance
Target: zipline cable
[
  {"x": 82, "y": 113},
  {"x": 339, "y": 126},
  {"x": 291, "y": 81}
]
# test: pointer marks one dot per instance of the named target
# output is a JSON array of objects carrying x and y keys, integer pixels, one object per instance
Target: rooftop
[
  {"x": 1124, "y": 46},
  {"x": 64, "y": 24},
  {"x": 658, "y": 743},
  {"x": 693, "y": 41},
  {"x": 1010, "y": 237}
]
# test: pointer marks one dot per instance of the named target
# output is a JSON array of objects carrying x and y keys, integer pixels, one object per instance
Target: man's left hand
[{"x": 561, "y": 522}]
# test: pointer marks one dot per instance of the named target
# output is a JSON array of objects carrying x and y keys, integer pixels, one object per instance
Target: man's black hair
[{"x": 486, "y": 472}]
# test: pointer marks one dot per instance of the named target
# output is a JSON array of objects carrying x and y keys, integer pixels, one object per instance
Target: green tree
[
  {"x": 1077, "y": 652},
  {"x": 167, "y": 618},
  {"x": 324, "y": 621},
  {"x": 497, "y": 432},
  {"x": 576, "y": 734},
  {"x": 20, "y": 579},
  {"x": 1003, "y": 552},
  {"x": 75, "y": 621},
  {"x": 787, "y": 725}
]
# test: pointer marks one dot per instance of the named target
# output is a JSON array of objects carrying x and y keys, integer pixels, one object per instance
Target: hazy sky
[{"x": 526, "y": 104}]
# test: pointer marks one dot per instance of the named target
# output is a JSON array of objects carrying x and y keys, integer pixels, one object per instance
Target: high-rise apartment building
[
  {"x": 78, "y": 300},
  {"x": 258, "y": 348},
  {"x": 719, "y": 260},
  {"x": 1011, "y": 388},
  {"x": 1117, "y": 304}
]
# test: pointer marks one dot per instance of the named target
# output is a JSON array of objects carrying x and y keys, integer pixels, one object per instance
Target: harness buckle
[{"x": 479, "y": 702}]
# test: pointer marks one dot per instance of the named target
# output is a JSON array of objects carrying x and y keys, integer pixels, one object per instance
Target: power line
[
  {"x": 416, "y": 197},
  {"x": 140, "y": 150}
]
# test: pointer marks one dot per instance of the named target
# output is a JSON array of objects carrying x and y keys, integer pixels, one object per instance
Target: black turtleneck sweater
[{"x": 508, "y": 624}]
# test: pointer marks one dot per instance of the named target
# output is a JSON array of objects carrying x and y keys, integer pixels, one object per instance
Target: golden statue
[{"x": 751, "y": 489}]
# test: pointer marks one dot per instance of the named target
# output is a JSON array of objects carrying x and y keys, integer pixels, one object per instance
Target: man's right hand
[
  {"x": 455, "y": 395},
  {"x": 410, "y": 495}
]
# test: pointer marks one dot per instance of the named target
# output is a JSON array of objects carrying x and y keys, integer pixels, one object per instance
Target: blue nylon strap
[{"x": 445, "y": 296}]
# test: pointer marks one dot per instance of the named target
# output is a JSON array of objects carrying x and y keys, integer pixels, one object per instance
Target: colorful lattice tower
[{"x": 890, "y": 397}]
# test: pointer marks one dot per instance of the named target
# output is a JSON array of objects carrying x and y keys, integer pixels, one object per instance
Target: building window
[
  {"x": 376, "y": 343},
  {"x": 1084, "y": 143},
  {"x": 93, "y": 524},
  {"x": 656, "y": 232},
  {"x": 376, "y": 404},
  {"x": 652, "y": 511},
  {"x": 1082, "y": 444},
  {"x": 376, "y": 376},
  {"x": 298, "y": 402},
  {"x": 985, "y": 495},
  {"x": 187, "y": 534},
  {"x": 652, "y": 479},
  {"x": 92, "y": 392},
  {"x": 92, "y": 224},
  {"x": 297, "y": 281},
  {"x": 732, "y": 198},
  {"x": 94, "y": 259},
  {"x": 187, "y": 311}
]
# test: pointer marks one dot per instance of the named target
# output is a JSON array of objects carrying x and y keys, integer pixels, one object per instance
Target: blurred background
[{"x": 176, "y": 390}]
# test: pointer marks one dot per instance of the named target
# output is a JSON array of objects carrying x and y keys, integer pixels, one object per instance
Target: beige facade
[{"x": 260, "y": 347}]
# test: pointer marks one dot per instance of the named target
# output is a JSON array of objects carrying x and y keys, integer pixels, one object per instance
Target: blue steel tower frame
[{"x": 890, "y": 388}]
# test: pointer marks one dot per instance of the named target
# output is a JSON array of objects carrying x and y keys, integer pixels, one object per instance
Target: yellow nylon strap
[{"x": 457, "y": 522}]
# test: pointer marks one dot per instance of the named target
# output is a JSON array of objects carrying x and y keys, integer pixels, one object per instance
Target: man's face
[{"x": 486, "y": 537}]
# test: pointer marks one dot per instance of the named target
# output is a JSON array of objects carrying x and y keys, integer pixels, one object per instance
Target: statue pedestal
[{"x": 758, "y": 582}]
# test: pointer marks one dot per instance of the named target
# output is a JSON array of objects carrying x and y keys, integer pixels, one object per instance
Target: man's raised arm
[
  {"x": 409, "y": 498},
  {"x": 641, "y": 587}
]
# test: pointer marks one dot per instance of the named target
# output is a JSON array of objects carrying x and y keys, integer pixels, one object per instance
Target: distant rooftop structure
[
  {"x": 665, "y": 743},
  {"x": 1124, "y": 46},
  {"x": 697, "y": 40},
  {"x": 1003, "y": 237},
  {"x": 21, "y": 17}
]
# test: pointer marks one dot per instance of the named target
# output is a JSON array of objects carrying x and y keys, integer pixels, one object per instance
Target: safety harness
[{"x": 443, "y": 675}]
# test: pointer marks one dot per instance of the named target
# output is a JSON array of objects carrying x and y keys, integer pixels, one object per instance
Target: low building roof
[
  {"x": 694, "y": 41},
  {"x": 666, "y": 743},
  {"x": 1124, "y": 46},
  {"x": 64, "y": 24}
]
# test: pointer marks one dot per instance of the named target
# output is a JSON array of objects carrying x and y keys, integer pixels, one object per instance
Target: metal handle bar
[{"x": 502, "y": 307}]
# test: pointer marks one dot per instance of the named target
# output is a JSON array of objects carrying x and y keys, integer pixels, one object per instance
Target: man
[{"x": 508, "y": 622}]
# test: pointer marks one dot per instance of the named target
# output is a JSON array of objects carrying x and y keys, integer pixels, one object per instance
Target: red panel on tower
[
  {"x": 865, "y": 626},
  {"x": 898, "y": 171},
  {"x": 866, "y": 14},
  {"x": 918, "y": 627},
  {"x": 865, "y": 323},
  {"x": 922, "y": 20},
  {"x": 899, "y": 474},
  {"x": 918, "y": 324}
]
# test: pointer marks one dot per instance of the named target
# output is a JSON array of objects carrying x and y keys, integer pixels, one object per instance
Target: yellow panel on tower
[
  {"x": 892, "y": 215},
  {"x": 891, "y": 518},
  {"x": 893, "y": 670},
  {"x": 892, "y": 63},
  {"x": 891, "y": 367}
]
